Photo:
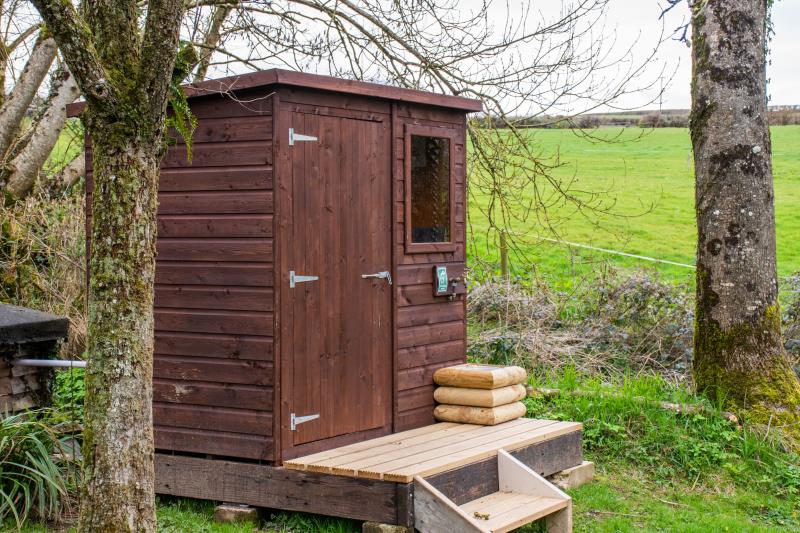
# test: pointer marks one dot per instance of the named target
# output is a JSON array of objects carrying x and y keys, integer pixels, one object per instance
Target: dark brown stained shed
[{"x": 230, "y": 358}]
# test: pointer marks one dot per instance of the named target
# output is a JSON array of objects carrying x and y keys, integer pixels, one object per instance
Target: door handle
[{"x": 380, "y": 275}]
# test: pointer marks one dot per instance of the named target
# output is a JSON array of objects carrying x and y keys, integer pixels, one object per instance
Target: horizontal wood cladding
[
  {"x": 434, "y": 313},
  {"x": 213, "y": 369},
  {"x": 241, "y": 178},
  {"x": 217, "y": 202},
  {"x": 431, "y": 354},
  {"x": 422, "y": 416},
  {"x": 215, "y": 418},
  {"x": 255, "y": 102},
  {"x": 423, "y": 274},
  {"x": 214, "y": 321},
  {"x": 248, "y": 250},
  {"x": 210, "y": 226},
  {"x": 429, "y": 334},
  {"x": 219, "y": 154},
  {"x": 212, "y": 394},
  {"x": 230, "y": 129},
  {"x": 412, "y": 378},
  {"x": 418, "y": 295},
  {"x": 219, "y": 443},
  {"x": 410, "y": 399},
  {"x": 211, "y": 297},
  {"x": 187, "y": 368},
  {"x": 214, "y": 273},
  {"x": 211, "y": 345},
  {"x": 428, "y": 115},
  {"x": 334, "y": 104}
]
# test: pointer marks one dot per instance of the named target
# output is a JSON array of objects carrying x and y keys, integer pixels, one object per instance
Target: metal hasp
[
  {"x": 297, "y": 420},
  {"x": 380, "y": 275},
  {"x": 297, "y": 137},
  {"x": 294, "y": 279}
]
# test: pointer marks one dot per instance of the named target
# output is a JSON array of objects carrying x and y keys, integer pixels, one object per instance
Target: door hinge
[
  {"x": 297, "y": 420},
  {"x": 297, "y": 137},
  {"x": 294, "y": 279}
]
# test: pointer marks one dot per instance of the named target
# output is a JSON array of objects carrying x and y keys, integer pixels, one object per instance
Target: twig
[{"x": 676, "y": 504}]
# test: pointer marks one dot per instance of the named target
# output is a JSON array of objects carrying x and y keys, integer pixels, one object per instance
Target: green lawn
[
  {"x": 648, "y": 180},
  {"x": 645, "y": 177}
]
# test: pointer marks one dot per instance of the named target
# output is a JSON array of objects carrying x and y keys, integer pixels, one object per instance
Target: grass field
[
  {"x": 646, "y": 180},
  {"x": 647, "y": 176}
]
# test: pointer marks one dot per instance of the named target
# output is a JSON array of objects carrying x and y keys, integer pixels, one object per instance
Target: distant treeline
[{"x": 667, "y": 118}]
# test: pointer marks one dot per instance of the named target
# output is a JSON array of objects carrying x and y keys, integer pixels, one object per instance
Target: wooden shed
[{"x": 309, "y": 282}]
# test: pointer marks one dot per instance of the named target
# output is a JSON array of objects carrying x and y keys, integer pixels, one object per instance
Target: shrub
[
  {"x": 42, "y": 260},
  {"x": 36, "y": 474},
  {"x": 614, "y": 323}
]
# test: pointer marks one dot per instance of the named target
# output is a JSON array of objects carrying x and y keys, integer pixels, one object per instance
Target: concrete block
[
  {"x": 234, "y": 513},
  {"x": 375, "y": 527},
  {"x": 574, "y": 477}
]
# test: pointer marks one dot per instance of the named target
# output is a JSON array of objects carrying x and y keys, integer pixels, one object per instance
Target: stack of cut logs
[{"x": 479, "y": 394}]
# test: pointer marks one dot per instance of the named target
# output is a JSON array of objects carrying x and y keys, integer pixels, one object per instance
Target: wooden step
[
  {"x": 504, "y": 511},
  {"x": 524, "y": 497}
]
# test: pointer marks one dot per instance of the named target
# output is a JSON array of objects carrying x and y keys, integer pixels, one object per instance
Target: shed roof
[{"x": 291, "y": 78}]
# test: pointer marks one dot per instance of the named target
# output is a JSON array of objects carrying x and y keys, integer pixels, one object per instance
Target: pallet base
[{"x": 347, "y": 497}]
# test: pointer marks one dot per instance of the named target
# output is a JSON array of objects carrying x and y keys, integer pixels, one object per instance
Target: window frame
[{"x": 429, "y": 131}]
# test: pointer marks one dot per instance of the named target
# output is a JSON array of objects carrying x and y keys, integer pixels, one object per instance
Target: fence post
[{"x": 503, "y": 255}]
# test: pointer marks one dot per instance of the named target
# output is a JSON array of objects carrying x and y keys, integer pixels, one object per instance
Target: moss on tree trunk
[
  {"x": 119, "y": 433},
  {"x": 739, "y": 356},
  {"x": 125, "y": 72}
]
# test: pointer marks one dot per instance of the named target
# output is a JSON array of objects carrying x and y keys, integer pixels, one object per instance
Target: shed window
[{"x": 430, "y": 188}]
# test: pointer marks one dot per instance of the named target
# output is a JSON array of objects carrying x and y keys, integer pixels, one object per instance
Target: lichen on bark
[
  {"x": 124, "y": 71},
  {"x": 739, "y": 357}
]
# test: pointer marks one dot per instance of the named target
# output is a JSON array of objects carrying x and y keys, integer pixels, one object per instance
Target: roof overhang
[{"x": 279, "y": 77}]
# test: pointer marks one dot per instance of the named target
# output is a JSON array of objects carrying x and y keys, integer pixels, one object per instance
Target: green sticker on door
[{"x": 441, "y": 280}]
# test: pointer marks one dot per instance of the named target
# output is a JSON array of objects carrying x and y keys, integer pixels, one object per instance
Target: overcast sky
[
  {"x": 635, "y": 25},
  {"x": 634, "y": 16}
]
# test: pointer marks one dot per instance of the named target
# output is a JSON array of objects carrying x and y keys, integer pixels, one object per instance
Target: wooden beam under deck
[
  {"x": 278, "y": 488},
  {"x": 348, "y": 497}
]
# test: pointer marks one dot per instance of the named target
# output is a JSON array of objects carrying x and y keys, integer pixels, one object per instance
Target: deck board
[{"x": 430, "y": 449}]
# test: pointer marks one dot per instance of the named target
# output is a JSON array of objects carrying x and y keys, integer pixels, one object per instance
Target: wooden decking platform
[{"x": 429, "y": 450}]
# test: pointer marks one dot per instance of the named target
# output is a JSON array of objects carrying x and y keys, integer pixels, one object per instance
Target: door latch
[
  {"x": 380, "y": 275},
  {"x": 297, "y": 137},
  {"x": 297, "y": 420},
  {"x": 294, "y": 279}
]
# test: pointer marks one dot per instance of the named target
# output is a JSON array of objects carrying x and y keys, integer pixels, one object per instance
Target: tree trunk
[
  {"x": 70, "y": 174},
  {"x": 17, "y": 103},
  {"x": 125, "y": 72},
  {"x": 118, "y": 425},
  {"x": 739, "y": 356},
  {"x": 24, "y": 168}
]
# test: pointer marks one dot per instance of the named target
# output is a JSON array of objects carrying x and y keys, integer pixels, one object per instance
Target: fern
[{"x": 181, "y": 119}]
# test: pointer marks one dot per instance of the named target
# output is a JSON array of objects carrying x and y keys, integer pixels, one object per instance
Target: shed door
[{"x": 337, "y": 338}]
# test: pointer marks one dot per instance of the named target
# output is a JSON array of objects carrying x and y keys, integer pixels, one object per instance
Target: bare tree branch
[
  {"x": 77, "y": 45},
  {"x": 21, "y": 97}
]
